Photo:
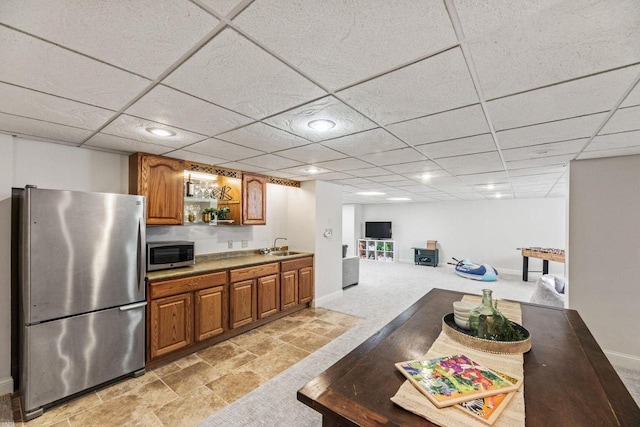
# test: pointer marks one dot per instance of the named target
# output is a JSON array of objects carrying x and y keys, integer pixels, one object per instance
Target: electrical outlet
[
  {"x": 245, "y": 243},
  {"x": 230, "y": 244}
]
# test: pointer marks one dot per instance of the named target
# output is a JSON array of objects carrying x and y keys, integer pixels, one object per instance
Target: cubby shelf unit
[{"x": 377, "y": 250}]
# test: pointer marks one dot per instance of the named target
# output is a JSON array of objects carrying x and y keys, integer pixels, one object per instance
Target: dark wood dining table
[{"x": 568, "y": 380}]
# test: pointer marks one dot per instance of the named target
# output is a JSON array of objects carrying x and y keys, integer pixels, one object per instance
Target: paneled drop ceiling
[{"x": 432, "y": 100}]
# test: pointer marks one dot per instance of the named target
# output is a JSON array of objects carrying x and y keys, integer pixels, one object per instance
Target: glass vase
[{"x": 485, "y": 321}]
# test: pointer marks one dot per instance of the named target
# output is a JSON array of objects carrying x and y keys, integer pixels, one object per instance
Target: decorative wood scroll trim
[
  {"x": 214, "y": 170},
  {"x": 282, "y": 181}
]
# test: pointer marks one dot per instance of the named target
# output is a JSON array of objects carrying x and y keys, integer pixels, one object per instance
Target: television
[{"x": 377, "y": 230}]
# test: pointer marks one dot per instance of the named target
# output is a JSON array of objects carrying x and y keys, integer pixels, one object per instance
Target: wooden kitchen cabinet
[
  {"x": 254, "y": 199},
  {"x": 243, "y": 303},
  {"x": 289, "y": 289},
  {"x": 297, "y": 282},
  {"x": 268, "y": 295},
  {"x": 160, "y": 179},
  {"x": 170, "y": 324},
  {"x": 210, "y": 309}
]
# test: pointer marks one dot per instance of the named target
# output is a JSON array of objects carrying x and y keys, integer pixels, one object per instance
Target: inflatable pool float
[{"x": 470, "y": 270}]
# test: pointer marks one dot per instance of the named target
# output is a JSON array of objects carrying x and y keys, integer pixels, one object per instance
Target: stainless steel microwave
[{"x": 163, "y": 255}]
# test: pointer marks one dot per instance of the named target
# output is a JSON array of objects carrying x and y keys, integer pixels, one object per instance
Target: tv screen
[{"x": 377, "y": 230}]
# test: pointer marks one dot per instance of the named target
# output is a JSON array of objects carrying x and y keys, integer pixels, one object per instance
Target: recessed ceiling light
[
  {"x": 399, "y": 199},
  {"x": 312, "y": 170},
  {"x": 490, "y": 187},
  {"x": 426, "y": 177},
  {"x": 321, "y": 125},
  {"x": 370, "y": 193},
  {"x": 160, "y": 132},
  {"x": 498, "y": 195}
]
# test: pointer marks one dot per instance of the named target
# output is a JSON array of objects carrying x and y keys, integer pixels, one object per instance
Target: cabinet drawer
[
  {"x": 296, "y": 264},
  {"x": 193, "y": 283},
  {"x": 253, "y": 272}
]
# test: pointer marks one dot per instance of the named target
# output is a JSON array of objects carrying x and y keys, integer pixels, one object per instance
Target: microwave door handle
[{"x": 141, "y": 253}]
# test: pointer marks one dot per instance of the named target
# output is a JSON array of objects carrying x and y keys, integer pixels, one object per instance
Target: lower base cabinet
[
  {"x": 170, "y": 324},
  {"x": 186, "y": 313}
]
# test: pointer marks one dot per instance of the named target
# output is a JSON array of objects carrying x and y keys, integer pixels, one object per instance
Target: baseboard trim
[
  {"x": 325, "y": 299},
  {"x": 6, "y": 385},
  {"x": 623, "y": 360}
]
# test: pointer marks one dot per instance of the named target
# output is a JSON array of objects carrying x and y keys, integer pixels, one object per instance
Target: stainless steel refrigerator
[{"x": 82, "y": 289}]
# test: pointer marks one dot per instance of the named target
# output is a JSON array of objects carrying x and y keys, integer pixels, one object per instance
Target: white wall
[
  {"x": 46, "y": 165},
  {"x": 328, "y": 249},
  {"x": 349, "y": 229},
  {"x": 487, "y": 231},
  {"x": 604, "y": 252}
]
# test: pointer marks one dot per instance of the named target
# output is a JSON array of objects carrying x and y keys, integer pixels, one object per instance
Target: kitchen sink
[{"x": 283, "y": 253}]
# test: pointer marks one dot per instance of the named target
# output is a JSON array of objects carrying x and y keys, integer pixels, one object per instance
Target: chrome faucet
[{"x": 276, "y": 240}]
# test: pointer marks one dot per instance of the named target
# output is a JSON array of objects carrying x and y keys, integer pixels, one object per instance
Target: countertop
[{"x": 211, "y": 263}]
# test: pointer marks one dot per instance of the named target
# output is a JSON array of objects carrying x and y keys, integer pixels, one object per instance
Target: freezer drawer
[{"x": 66, "y": 356}]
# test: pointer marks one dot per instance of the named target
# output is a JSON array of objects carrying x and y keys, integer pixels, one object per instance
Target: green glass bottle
[{"x": 485, "y": 321}]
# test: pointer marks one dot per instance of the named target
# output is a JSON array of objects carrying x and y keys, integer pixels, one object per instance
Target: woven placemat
[{"x": 409, "y": 398}]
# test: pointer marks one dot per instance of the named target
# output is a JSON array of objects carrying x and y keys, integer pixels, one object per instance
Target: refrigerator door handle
[
  {"x": 133, "y": 306},
  {"x": 142, "y": 261}
]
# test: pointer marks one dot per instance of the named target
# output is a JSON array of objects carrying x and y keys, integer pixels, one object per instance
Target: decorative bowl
[
  {"x": 464, "y": 337},
  {"x": 463, "y": 307},
  {"x": 463, "y": 323}
]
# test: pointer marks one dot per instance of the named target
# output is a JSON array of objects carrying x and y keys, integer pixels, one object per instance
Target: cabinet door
[
  {"x": 254, "y": 199},
  {"x": 160, "y": 179},
  {"x": 243, "y": 303},
  {"x": 305, "y": 280},
  {"x": 170, "y": 324},
  {"x": 210, "y": 312},
  {"x": 289, "y": 289},
  {"x": 268, "y": 296}
]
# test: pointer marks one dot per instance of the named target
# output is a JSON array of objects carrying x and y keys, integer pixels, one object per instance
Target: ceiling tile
[
  {"x": 165, "y": 105},
  {"x": 307, "y": 35},
  {"x": 575, "y": 98},
  {"x": 224, "y": 150},
  {"x": 537, "y": 171},
  {"x": 422, "y": 166},
  {"x": 420, "y": 188},
  {"x": 125, "y": 145},
  {"x": 400, "y": 95},
  {"x": 562, "y": 130},
  {"x": 369, "y": 172},
  {"x": 458, "y": 123},
  {"x": 466, "y": 195},
  {"x": 36, "y": 105},
  {"x": 344, "y": 164},
  {"x": 401, "y": 183},
  {"x": 623, "y": 120},
  {"x": 527, "y": 55},
  {"x": 614, "y": 140},
  {"x": 135, "y": 128},
  {"x": 330, "y": 176},
  {"x": 234, "y": 73},
  {"x": 542, "y": 161},
  {"x": 195, "y": 157},
  {"x": 614, "y": 152},
  {"x": 274, "y": 162},
  {"x": 633, "y": 98},
  {"x": 546, "y": 178},
  {"x": 473, "y": 163},
  {"x": 391, "y": 178},
  {"x": 263, "y": 137},
  {"x": 164, "y": 31},
  {"x": 222, "y": 7},
  {"x": 371, "y": 141},
  {"x": 393, "y": 157},
  {"x": 479, "y": 16},
  {"x": 346, "y": 119},
  {"x": 63, "y": 73},
  {"x": 29, "y": 127},
  {"x": 544, "y": 150},
  {"x": 453, "y": 147},
  {"x": 352, "y": 181},
  {"x": 243, "y": 167},
  {"x": 484, "y": 178},
  {"x": 311, "y": 153}
]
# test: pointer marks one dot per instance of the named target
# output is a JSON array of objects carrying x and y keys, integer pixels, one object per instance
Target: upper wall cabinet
[
  {"x": 254, "y": 209},
  {"x": 160, "y": 179}
]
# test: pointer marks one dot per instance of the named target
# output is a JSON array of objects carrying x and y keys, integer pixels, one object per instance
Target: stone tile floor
[{"x": 185, "y": 392}]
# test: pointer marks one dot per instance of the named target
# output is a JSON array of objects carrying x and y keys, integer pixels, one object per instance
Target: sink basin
[{"x": 283, "y": 253}]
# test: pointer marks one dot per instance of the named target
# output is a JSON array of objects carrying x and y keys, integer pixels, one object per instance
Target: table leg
[
  {"x": 525, "y": 268},
  {"x": 545, "y": 266}
]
